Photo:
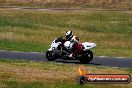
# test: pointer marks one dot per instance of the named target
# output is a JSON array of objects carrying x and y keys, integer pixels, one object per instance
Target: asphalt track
[{"x": 98, "y": 60}]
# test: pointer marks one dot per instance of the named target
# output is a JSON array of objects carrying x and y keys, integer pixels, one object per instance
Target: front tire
[
  {"x": 51, "y": 56},
  {"x": 86, "y": 57}
]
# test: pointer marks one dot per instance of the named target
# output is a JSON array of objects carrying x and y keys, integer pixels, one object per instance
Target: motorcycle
[{"x": 60, "y": 48}]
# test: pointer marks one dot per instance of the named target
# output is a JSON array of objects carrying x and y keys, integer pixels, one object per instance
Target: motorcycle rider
[{"x": 74, "y": 40}]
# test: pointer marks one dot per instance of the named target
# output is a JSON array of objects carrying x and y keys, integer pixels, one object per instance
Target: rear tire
[
  {"x": 51, "y": 56},
  {"x": 87, "y": 57}
]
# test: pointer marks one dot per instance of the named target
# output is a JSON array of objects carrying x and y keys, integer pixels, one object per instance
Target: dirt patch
[{"x": 31, "y": 74}]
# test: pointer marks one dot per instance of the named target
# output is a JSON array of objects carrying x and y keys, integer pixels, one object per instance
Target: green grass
[
  {"x": 22, "y": 46},
  {"x": 14, "y": 84},
  {"x": 35, "y": 30},
  {"x": 28, "y": 74},
  {"x": 129, "y": 70},
  {"x": 11, "y": 83}
]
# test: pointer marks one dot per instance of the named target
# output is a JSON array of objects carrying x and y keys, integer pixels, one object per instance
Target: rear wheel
[
  {"x": 86, "y": 57},
  {"x": 51, "y": 56}
]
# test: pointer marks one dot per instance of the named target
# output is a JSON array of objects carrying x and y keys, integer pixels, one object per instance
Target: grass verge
[{"x": 28, "y": 74}]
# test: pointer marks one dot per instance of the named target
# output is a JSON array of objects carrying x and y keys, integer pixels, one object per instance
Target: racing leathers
[{"x": 74, "y": 42}]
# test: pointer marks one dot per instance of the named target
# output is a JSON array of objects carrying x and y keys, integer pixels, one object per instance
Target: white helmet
[{"x": 69, "y": 35}]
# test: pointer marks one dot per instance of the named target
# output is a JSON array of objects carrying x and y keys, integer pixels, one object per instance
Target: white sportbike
[{"x": 60, "y": 48}]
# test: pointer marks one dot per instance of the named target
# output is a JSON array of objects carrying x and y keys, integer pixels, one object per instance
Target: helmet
[{"x": 69, "y": 35}]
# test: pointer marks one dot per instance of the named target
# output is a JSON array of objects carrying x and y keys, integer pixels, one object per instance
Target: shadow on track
[{"x": 73, "y": 62}]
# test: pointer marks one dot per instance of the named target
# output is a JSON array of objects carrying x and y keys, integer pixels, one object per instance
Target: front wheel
[
  {"x": 51, "y": 56},
  {"x": 86, "y": 57}
]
